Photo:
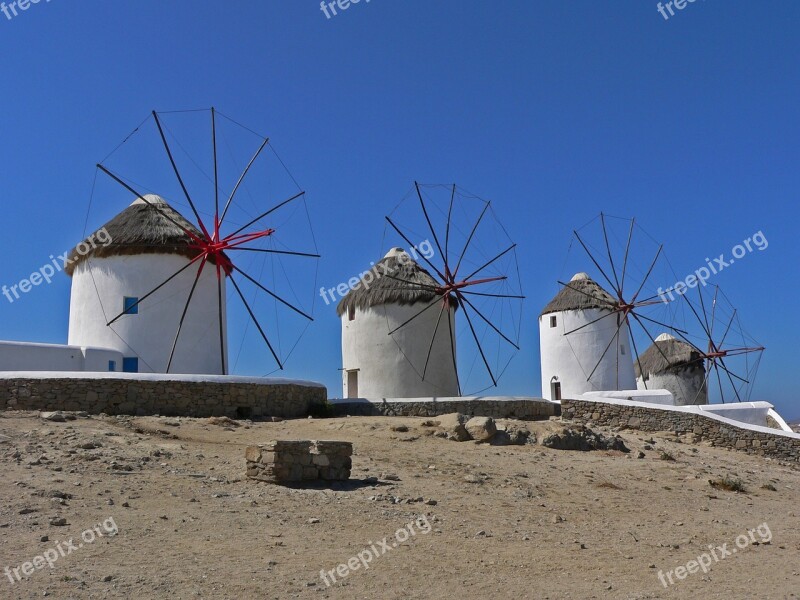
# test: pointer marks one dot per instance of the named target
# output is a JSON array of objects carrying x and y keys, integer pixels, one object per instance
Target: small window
[
  {"x": 130, "y": 305},
  {"x": 622, "y": 349},
  {"x": 112, "y": 365},
  {"x": 351, "y": 313},
  {"x": 553, "y": 321},
  {"x": 130, "y": 364}
]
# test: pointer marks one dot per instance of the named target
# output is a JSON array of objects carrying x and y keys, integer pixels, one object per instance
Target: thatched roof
[
  {"x": 580, "y": 293},
  {"x": 675, "y": 356},
  {"x": 395, "y": 279},
  {"x": 141, "y": 228}
]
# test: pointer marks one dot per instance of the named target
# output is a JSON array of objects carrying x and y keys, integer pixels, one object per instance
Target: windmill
[
  {"x": 472, "y": 290},
  {"x": 214, "y": 208},
  {"x": 728, "y": 352},
  {"x": 588, "y": 330}
]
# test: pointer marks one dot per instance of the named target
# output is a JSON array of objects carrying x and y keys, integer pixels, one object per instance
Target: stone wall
[
  {"x": 305, "y": 460},
  {"x": 168, "y": 397},
  {"x": 702, "y": 428},
  {"x": 528, "y": 409}
]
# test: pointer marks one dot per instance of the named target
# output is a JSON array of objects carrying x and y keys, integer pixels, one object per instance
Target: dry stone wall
[
  {"x": 290, "y": 461},
  {"x": 528, "y": 409},
  {"x": 162, "y": 397},
  {"x": 702, "y": 428}
]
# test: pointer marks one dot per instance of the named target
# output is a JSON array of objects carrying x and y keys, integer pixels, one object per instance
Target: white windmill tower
[
  {"x": 388, "y": 350},
  {"x": 116, "y": 301},
  {"x": 585, "y": 343},
  {"x": 675, "y": 366}
]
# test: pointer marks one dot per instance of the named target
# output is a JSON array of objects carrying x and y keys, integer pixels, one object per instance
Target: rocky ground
[{"x": 526, "y": 521}]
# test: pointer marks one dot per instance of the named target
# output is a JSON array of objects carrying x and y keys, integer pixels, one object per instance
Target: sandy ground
[{"x": 530, "y": 523}]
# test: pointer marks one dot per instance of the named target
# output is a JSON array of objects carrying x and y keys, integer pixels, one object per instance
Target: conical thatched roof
[
  {"x": 141, "y": 228},
  {"x": 581, "y": 293},
  {"x": 675, "y": 355},
  {"x": 395, "y": 279}
]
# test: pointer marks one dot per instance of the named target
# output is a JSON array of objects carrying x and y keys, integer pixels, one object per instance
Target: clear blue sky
[{"x": 554, "y": 110}]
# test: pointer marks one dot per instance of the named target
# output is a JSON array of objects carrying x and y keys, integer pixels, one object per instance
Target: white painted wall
[
  {"x": 24, "y": 356},
  {"x": 687, "y": 386},
  {"x": 98, "y": 289},
  {"x": 392, "y": 366},
  {"x": 652, "y": 396},
  {"x": 570, "y": 359}
]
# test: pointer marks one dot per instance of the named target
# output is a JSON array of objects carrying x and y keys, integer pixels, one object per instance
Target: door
[
  {"x": 352, "y": 384},
  {"x": 555, "y": 390}
]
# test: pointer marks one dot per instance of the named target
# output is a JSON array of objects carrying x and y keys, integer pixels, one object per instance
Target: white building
[
  {"x": 145, "y": 249},
  {"x": 574, "y": 338},
  {"x": 379, "y": 365},
  {"x": 675, "y": 366},
  {"x": 112, "y": 271}
]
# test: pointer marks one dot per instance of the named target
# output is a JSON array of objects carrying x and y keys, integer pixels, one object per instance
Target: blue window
[
  {"x": 130, "y": 364},
  {"x": 112, "y": 365},
  {"x": 130, "y": 305}
]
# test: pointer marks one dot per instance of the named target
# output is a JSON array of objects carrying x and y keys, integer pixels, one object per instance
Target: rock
[
  {"x": 313, "y": 521},
  {"x": 4, "y": 439},
  {"x": 481, "y": 429},
  {"x": 58, "y": 521},
  {"x": 56, "y": 416},
  {"x": 390, "y": 477},
  {"x": 253, "y": 454},
  {"x": 400, "y": 428},
  {"x": 44, "y": 538},
  {"x": 583, "y": 439},
  {"x": 472, "y": 479},
  {"x": 223, "y": 422},
  {"x": 501, "y": 438},
  {"x": 513, "y": 435},
  {"x": 453, "y": 425},
  {"x": 107, "y": 578},
  {"x": 640, "y": 455},
  {"x": 431, "y": 502},
  {"x": 557, "y": 519}
]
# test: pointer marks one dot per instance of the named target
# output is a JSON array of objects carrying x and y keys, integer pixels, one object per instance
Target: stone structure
[
  {"x": 527, "y": 409},
  {"x": 294, "y": 461},
  {"x": 168, "y": 395},
  {"x": 715, "y": 430}
]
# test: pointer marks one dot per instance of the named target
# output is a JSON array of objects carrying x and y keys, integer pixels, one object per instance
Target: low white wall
[
  {"x": 754, "y": 413},
  {"x": 779, "y": 420},
  {"x": 747, "y": 415},
  {"x": 159, "y": 377},
  {"x": 25, "y": 356},
  {"x": 661, "y": 397}
]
